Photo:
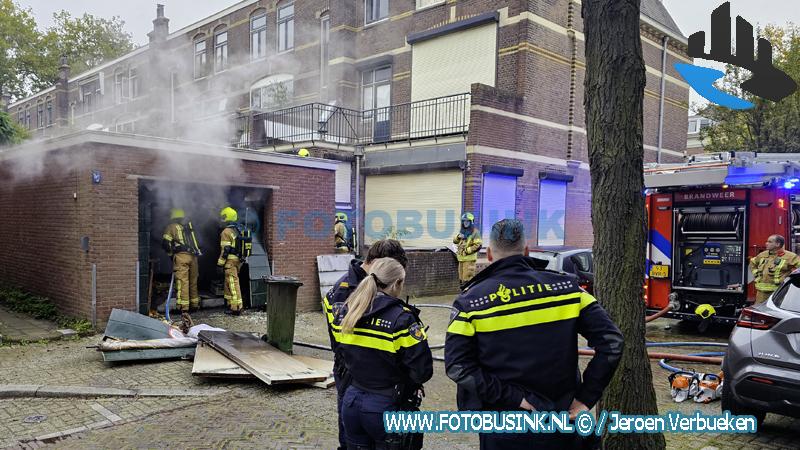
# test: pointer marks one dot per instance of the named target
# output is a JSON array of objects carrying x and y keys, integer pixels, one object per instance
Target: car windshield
[
  {"x": 547, "y": 256},
  {"x": 788, "y": 298}
]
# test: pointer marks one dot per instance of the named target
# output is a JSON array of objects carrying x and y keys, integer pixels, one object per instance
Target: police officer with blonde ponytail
[{"x": 386, "y": 352}]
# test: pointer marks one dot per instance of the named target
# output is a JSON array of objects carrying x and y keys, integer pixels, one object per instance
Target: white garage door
[{"x": 424, "y": 207}]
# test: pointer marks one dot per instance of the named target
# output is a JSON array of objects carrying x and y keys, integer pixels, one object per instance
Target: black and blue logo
[{"x": 766, "y": 82}]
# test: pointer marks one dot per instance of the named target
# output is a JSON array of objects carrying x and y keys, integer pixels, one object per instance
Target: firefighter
[
  {"x": 771, "y": 266},
  {"x": 341, "y": 290},
  {"x": 469, "y": 242},
  {"x": 180, "y": 242},
  {"x": 229, "y": 262},
  {"x": 385, "y": 350},
  {"x": 340, "y": 241},
  {"x": 512, "y": 341}
]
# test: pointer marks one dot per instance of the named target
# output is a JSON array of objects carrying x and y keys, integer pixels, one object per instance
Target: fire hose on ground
[{"x": 714, "y": 358}]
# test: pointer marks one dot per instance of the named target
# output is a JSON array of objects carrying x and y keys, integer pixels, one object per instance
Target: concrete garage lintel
[{"x": 437, "y": 157}]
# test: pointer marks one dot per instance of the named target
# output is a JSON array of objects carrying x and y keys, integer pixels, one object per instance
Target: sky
[{"x": 690, "y": 15}]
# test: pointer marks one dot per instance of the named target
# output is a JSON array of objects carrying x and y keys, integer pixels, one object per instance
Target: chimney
[
  {"x": 160, "y": 26},
  {"x": 62, "y": 94}
]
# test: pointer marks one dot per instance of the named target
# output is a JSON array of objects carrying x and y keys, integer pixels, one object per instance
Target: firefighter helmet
[
  {"x": 176, "y": 213},
  {"x": 228, "y": 215},
  {"x": 468, "y": 216},
  {"x": 341, "y": 217},
  {"x": 303, "y": 153}
]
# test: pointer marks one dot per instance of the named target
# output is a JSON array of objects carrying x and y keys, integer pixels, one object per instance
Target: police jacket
[
  {"x": 514, "y": 335},
  {"x": 388, "y": 346},
  {"x": 339, "y": 293}
]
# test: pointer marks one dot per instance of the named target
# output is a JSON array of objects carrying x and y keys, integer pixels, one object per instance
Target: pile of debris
[{"x": 217, "y": 353}]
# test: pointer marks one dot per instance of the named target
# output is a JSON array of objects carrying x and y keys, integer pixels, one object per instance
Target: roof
[{"x": 656, "y": 10}]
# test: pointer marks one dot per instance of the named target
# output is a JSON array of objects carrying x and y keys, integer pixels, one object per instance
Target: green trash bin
[{"x": 281, "y": 309}]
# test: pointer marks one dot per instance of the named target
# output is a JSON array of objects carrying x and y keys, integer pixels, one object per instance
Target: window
[
  {"x": 325, "y": 38},
  {"x": 40, "y": 115},
  {"x": 28, "y": 117},
  {"x": 376, "y": 10},
  {"x": 173, "y": 86},
  {"x": 693, "y": 126},
  {"x": 121, "y": 87},
  {"x": 49, "y": 112},
  {"x": 221, "y": 51},
  {"x": 498, "y": 200},
  {"x": 425, "y": 3},
  {"x": 286, "y": 28},
  {"x": 704, "y": 123},
  {"x": 125, "y": 127},
  {"x": 200, "y": 57},
  {"x": 258, "y": 36},
  {"x": 272, "y": 92},
  {"x": 134, "y": 82},
  {"x": 21, "y": 117},
  {"x": 90, "y": 95},
  {"x": 552, "y": 208},
  {"x": 376, "y": 88}
]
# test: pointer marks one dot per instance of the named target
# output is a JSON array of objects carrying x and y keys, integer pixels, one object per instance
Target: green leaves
[
  {"x": 769, "y": 126},
  {"x": 30, "y": 58}
]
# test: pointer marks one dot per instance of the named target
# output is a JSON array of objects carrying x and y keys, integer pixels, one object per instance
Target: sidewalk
[{"x": 15, "y": 327}]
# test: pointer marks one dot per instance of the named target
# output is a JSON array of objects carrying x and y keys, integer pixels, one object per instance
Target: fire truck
[{"x": 706, "y": 219}]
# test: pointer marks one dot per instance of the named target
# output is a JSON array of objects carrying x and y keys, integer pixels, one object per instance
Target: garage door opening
[{"x": 201, "y": 203}]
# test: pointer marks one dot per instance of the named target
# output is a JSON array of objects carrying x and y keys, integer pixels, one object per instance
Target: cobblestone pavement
[{"x": 254, "y": 415}]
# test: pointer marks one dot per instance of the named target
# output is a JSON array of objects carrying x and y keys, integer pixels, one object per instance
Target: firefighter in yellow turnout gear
[
  {"x": 771, "y": 266},
  {"x": 469, "y": 242},
  {"x": 180, "y": 242},
  {"x": 229, "y": 261},
  {"x": 340, "y": 234}
]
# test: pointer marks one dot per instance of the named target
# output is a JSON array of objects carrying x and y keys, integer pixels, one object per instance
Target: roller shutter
[
  {"x": 552, "y": 210},
  {"x": 498, "y": 201}
]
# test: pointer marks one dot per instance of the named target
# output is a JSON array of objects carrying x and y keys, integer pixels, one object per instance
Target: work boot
[{"x": 230, "y": 312}]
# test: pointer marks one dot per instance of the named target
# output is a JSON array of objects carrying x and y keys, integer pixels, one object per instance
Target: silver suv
[{"x": 762, "y": 366}]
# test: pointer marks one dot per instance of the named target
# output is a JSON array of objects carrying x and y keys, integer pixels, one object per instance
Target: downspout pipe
[{"x": 661, "y": 97}]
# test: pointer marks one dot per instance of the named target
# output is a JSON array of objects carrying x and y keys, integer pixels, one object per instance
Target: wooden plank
[
  {"x": 213, "y": 364},
  {"x": 266, "y": 362},
  {"x": 322, "y": 365}
]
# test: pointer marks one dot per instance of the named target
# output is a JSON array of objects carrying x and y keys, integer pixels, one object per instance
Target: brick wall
[
  {"x": 43, "y": 242},
  {"x": 431, "y": 273}
]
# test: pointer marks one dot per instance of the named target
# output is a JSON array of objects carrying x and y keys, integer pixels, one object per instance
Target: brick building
[{"x": 428, "y": 108}]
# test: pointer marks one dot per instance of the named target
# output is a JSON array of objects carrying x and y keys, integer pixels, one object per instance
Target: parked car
[
  {"x": 762, "y": 366},
  {"x": 575, "y": 261}
]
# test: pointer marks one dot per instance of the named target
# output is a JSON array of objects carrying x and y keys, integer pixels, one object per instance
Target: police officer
[
  {"x": 341, "y": 290},
  {"x": 512, "y": 341},
  {"x": 179, "y": 241},
  {"x": 229, "y": 262},
  {"x": 386, "y": 353},
  {"x": 469, "y": 242},
  {"x": 771, "y": 266}
]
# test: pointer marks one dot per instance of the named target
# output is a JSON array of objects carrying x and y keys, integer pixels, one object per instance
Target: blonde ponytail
[{"x": 385, "y": 271}]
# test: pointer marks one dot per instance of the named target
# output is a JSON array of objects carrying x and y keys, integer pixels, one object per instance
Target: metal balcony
[{"x": 318, "y": 122}]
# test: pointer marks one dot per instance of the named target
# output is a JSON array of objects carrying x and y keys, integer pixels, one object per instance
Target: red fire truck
[{"x": 706, "y": 219}]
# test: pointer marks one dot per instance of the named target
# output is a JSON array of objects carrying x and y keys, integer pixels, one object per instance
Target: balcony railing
[{"x": 317, "y": 122}]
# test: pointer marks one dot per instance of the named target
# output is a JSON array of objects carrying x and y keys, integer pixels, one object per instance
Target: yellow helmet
[
  {"x": 176, "y": 213},
  {"x": 341, "y": 217},
  {"x": 303, "y": 153},
  {"x": 228, "y": 215}
]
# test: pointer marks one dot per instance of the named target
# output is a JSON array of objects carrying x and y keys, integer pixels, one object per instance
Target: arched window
[
  {"x": 200, "y": 56},
  {"x": 258, "y": 34},
  {"x": 28, "y": 117},
  {"x": 273, "y": 92},
  {"x": 220, "y": 49}
]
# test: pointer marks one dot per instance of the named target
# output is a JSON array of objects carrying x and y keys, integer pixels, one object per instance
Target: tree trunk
[{"x": 614, "y": 94}]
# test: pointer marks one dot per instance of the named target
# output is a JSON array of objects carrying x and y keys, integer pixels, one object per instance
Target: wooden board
[
  {"x": 211, "y": 363},
  {"x": 150, "y": 353},
  {"x": 322, "y": 365},
  {"x": 266, "y": 362}
]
